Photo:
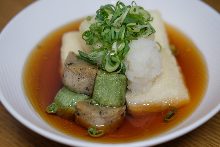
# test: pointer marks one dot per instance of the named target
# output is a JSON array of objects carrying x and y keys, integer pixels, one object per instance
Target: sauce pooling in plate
[{"x": 42, "y": 81}]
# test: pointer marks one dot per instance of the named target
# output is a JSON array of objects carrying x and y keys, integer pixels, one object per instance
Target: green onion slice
[
  {"x": 114, "y": 28},
  {"x": 93, "y": 132},
  {"x": 170, "y": 114}
]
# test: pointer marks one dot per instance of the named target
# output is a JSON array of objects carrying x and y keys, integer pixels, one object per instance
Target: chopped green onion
[
  {"x": 93, "y": 132},
  {"x": 88, "y": 18},
  {"x": 109, "y": 65},
  {"x": 170, "y": 114},
  {"x": 114, "y": 28},
  {"x": 118, "y": 22}
]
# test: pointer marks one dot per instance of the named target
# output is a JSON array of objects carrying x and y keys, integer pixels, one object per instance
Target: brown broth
[{"x": 42, "y": 81}]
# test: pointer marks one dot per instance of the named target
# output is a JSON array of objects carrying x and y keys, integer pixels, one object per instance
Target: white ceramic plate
[{"x": 194, "y": 18}]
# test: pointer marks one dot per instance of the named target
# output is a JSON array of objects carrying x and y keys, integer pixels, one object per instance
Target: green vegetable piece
[
  {"x": 93, "y": 132},
  {"x": 109, "y": 89},
  {"x": 65, "y": 102},
  {"x": 170, "y": 114}
]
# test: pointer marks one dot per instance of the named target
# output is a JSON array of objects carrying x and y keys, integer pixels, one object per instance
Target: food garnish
[
  {"x": 93, "y": 132},
  {"x": 170, "y": 114},
  {"x": 114, "y": 28}
]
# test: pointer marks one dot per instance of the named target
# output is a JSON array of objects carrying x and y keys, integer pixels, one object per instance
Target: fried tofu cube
[{"x": 169, "y": 89}]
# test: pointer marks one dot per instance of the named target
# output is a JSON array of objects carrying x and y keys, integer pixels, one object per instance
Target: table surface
[{"x": 13, "y": 133}]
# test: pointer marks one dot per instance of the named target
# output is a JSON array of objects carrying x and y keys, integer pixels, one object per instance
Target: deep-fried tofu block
[{"x": 169, "y": 89}]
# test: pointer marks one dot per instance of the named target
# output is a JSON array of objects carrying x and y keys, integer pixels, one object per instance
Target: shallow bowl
[{"x": 197, "y": 20}]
